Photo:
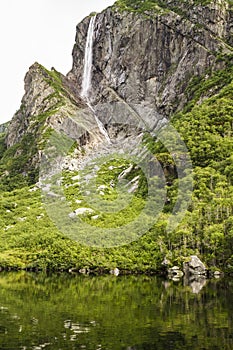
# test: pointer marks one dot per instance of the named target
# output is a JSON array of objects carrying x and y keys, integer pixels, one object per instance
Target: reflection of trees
[{"x": 136, "y": 313}]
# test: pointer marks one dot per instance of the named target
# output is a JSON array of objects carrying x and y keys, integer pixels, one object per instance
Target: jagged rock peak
[{"x": 47, "y": 99}]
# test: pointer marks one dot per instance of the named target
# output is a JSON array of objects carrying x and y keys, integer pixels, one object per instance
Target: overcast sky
[{"x": 36, "y": 30}]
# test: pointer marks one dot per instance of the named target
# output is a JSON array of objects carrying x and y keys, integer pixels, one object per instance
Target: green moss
[
  {"x": 56, "y": 80},
  {"x": 151, "y": 7},
  {"x": 15, "y": 164},
  {"x": 140, "y": 6},
  {"x": 2, "y": 145}
]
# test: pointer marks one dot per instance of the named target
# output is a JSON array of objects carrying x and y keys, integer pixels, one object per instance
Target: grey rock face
[
  {"x": 149, "y": 61},
  {"x": 214, "y": 17},
  {"x": 33, "y": 103},
  {"x": 194, "y": 266},
  {"x": 50, "y": 104},
  {"x": 46, "y": 105},
  {"x": 42, "y": 105}
]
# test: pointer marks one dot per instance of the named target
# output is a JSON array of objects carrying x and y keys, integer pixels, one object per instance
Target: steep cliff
[
  {"x": 149, "y": 57},
  {"x": 144, "y": 60}
]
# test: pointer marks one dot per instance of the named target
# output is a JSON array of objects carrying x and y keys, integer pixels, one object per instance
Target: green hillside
[{"x": 29, "y": 239}]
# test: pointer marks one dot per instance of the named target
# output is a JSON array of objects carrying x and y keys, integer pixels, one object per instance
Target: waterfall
[{"x": 86, "y": 81}]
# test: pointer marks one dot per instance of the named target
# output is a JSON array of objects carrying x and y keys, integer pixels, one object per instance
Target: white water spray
[{"x": 86, "y": 81}]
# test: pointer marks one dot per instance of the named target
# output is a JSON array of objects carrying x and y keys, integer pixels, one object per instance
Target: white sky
[{"x": 36, "y": 30}]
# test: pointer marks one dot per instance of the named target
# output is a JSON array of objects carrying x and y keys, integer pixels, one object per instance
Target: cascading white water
[{"x": 86, "y": 81}]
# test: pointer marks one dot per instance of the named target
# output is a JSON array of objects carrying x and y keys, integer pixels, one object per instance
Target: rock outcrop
[
  {"x": 46, "y": 103},
  {"x": 194, "y": 267},
  {"x": 3, "y": 127},
  {"x": 49, "y": 103}
]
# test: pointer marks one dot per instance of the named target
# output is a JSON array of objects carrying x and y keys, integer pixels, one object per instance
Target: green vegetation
[
  {"x": 140, "y": 6},
  {"x": 156, "y": 6},
  {"x": 207, "y": 129},
  {"x": 150, "y": 8},
  {"x": 29, "y": 239}
]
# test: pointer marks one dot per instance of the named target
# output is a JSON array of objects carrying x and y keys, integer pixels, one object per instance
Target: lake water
[{"x": 63, "y": 311}]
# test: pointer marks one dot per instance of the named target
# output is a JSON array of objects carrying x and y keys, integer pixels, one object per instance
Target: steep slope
[{"x": 149, "y": 62}]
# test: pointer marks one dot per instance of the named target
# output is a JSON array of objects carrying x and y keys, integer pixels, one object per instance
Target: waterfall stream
[{"x": 86, "y": 81}]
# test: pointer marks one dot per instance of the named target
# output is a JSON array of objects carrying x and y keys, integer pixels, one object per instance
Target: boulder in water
[
  {"x": 194, "y": 266},
  {"x": 115, "y": 272},
  {"x": 175, "y": 271}
]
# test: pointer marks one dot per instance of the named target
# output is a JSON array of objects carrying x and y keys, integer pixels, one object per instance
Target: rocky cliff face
[
  {"x": 149, "y": 59},
  {"x": 46, "y": 103},
  {"x": 142, "y": 66}
]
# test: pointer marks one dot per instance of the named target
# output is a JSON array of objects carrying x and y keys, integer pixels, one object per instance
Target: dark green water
[{"x": 38, "y": 311}]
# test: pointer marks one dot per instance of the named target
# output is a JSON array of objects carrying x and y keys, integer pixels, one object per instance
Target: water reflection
[
  {"x": 196, "y": 283},
  {"x": 54, "y": 312}
]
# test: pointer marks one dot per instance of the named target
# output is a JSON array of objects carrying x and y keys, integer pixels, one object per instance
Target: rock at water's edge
[{"x": 194, "y": 266}]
